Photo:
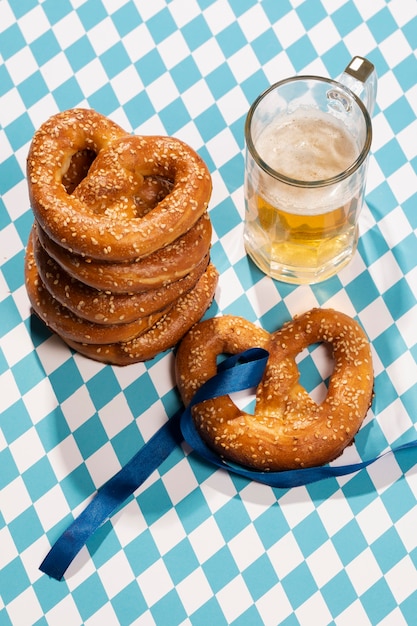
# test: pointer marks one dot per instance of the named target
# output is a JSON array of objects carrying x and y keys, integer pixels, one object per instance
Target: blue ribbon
[{"x": 237, "y": 373}]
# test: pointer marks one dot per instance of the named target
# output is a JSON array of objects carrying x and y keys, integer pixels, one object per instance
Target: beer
[{"x": 300, "y": 227}]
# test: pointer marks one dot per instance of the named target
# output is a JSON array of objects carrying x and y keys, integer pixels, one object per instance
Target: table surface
[{"x": 195, "y": 544}]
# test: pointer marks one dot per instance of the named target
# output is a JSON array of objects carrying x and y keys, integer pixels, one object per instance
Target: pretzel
[
  {"x": 105, "y": 307},
  {"x": 167, "y": 331},
  {"x": 99, "y": 218},
  {"x": 72, "y": 327},
  {"x": 158, "y": 269},
  {"x": 288, "y": 429},
  {"x": 78, "y": 168}
]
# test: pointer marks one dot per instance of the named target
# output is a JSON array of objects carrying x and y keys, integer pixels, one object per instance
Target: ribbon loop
[{"x": 236, "y": 373}]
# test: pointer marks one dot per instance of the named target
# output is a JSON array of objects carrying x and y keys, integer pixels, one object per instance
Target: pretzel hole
[
  {"x": 315, "y": 364},
  {"x": 153, "y": 190},
  {"x": 245, "y": 400},
  {"x": 78, "y": 169}
]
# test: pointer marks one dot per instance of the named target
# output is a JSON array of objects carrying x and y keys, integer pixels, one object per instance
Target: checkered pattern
[{"x": 196, "y": 545}]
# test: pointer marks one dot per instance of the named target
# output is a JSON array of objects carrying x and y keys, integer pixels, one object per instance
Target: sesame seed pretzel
[
  {"x": 164, "y": 334},
  {"x": 100, "y": 218},
  {"x": 156, "y": 270},
  {"x": 288, "y": 429},
  {"x": 72, "y": 327},
  {"x": 105, "y": 307}
]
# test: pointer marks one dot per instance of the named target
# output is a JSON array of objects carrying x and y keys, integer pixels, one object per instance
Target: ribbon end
[{"x": 48, "y": 568}]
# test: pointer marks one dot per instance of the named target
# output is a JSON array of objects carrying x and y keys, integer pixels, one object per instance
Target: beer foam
[{"x": 307, "y": 145}]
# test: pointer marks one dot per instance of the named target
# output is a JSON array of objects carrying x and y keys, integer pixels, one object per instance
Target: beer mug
[{"x": 307, "y": 145}]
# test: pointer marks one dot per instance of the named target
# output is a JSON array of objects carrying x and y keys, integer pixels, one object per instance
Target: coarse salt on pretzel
[
  {"x": 99, "y": 217},
  {"x": 158, "y": 269},
  {"x": 288, "y": 429}
]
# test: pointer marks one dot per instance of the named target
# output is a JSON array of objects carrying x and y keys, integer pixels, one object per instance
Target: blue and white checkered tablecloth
[{"x": 196, "y": 545}]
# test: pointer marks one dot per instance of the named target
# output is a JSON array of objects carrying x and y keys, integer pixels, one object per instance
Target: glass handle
[{"x": 360, "y": 77}]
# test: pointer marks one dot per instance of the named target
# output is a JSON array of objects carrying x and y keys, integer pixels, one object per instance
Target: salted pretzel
[
  {"x": 165, "y": 333},
  {"x": 99, "y": 218},
  {"x": 160, "y": 268},
  {"x": 105, "y": 307},
  {"x": 288, "y": 429}
]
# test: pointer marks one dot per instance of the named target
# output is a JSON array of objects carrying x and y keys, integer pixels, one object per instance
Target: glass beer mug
[{"x": 307, "y": 145}]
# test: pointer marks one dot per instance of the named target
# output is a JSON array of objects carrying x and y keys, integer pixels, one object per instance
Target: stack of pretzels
[{"x": 118, "y": 259}]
